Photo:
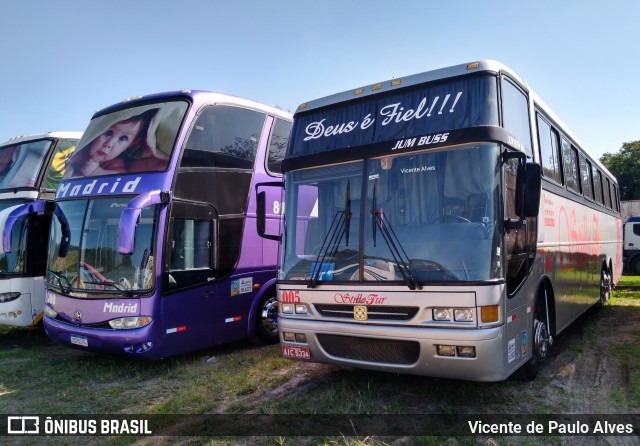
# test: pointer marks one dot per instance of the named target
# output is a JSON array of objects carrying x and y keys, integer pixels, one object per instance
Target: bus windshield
[
  {"x": 429, "y": 216},
  {"x": 20, "y": 163},
  {"x": 89, "y": 259}
]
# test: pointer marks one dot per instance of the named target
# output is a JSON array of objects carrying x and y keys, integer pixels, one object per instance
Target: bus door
[{"x": 190, "y": 265}]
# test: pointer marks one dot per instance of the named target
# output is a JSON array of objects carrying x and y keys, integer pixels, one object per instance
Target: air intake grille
[
  {"x": 373, "y": 312},
  {"x": 372, "y": 350}
]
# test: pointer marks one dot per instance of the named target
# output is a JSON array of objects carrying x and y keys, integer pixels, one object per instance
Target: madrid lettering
[
  {"x": 105, "y": 186},
  {"x": 390, "y": 114},
  {"x": 122, "y": 308}
]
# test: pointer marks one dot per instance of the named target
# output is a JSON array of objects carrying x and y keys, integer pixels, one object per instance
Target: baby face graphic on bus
[
  {"x": 106, "y": 147},
  {"x": 120, "y": 148}
]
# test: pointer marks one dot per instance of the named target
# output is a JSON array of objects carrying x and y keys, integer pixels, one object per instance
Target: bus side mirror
[
  {"x": 131, "y": 215},
  {"x": 11, "y": 215},
  {"x": 261, "y": 211},
  {"x": 532, "y": 185},
  {"x": 66, "y": 232},
  {"x": 527, "y": 194}
]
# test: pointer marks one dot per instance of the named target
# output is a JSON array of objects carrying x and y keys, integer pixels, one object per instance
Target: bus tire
[
  {"x": 529, "y": 370},
  {"x": 634, "y": 267},
  {"x": 605, "y": 288},
  {"x": 266, "y": 327}
]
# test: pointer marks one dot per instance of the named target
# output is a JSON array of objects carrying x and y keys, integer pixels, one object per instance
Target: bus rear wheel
[
  {"x": 266, "y": 328},
  {"x": 634, "y": 268},
  {"x": 605, "y": 288}
]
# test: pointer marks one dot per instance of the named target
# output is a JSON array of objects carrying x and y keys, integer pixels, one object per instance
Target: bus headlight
[
  {"x": 50, "y": 312},
  {"x": 441, "y": 314},
  {"x": 8, "y": 297},
  {"x": 455, "y": 314},
  {"x": 463, "y": 315},
  {"x": 286, "y": 308},
  {"x": 128, "y": 323},
  {"x": 301, "y": 309}
]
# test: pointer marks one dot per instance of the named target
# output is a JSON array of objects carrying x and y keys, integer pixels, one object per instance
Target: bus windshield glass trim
[
  {"x": 92, "y": 263},
  {"x": 453, "y": 202}
]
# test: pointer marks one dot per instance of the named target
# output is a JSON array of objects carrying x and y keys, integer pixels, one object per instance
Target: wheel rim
[
  {"x": 605, "y": 287},
  {"x": 541, "y": 339},
  {"x": 269, "y": 315}
]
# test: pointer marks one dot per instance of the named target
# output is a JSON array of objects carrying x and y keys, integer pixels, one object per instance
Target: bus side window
[
  {"x": 549, "y": 153},
  {"x": 520, "y": 243},
  {"x": 190, "y": 259},
  {"x": 515, "y": 114},
  {"x": 585, "y": 177},
  {"x": 277, "y": 145},
  {"x": 614, "y": 198},
  {"x": 570, "y": 164},
  {"x": 224, "y": 136},
  {"x": 597, "y": 185},
  {"x": 605, "y": 190}
]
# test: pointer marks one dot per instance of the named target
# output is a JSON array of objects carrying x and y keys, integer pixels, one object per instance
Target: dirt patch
[{"x": 584, "y": 375}]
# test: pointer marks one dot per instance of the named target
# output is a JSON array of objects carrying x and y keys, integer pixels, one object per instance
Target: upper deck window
[
  {"x": 224, "y": 136},
  {"x": 20, "y": 163},
  {"x": 138, "y": 139},
  {"x": 58, "y": 163},
  {"x": 515, "y": 114}
]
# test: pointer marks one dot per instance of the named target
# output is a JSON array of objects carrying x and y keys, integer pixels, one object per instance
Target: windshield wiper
[
  {"x": 339, "y": 227},
  {"x": 105, "y": 282},
  {"x": 123, "y": 291},
  {"x": 395, "y": 247},
  {"x": 58, "y": 275},
  {"x": 347, "y": 213}
]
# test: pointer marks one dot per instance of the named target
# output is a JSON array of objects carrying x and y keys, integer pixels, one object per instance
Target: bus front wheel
[{"x": 266, "y": 328}]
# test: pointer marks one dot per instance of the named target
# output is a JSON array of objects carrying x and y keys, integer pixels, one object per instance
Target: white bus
[
  {"x": 30, "y": 169},
  {"x": 459, "y": 227}
]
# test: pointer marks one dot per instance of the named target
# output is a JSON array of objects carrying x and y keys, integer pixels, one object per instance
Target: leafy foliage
[{"x": 625, "y": 165}]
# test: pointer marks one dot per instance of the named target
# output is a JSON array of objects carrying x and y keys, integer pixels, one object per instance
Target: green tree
[{"x": 625, "y": 165}]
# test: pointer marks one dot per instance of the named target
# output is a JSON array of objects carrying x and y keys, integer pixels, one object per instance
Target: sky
[{"x": 62, "y": 60}]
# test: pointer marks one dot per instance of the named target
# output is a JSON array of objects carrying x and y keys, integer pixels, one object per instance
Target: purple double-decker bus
[{"x": 154, "y": 249}]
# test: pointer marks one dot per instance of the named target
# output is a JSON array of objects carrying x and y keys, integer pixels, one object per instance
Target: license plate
[
  {"x": 296, "y": 352},
  {"x": 80, "y": 340}
]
